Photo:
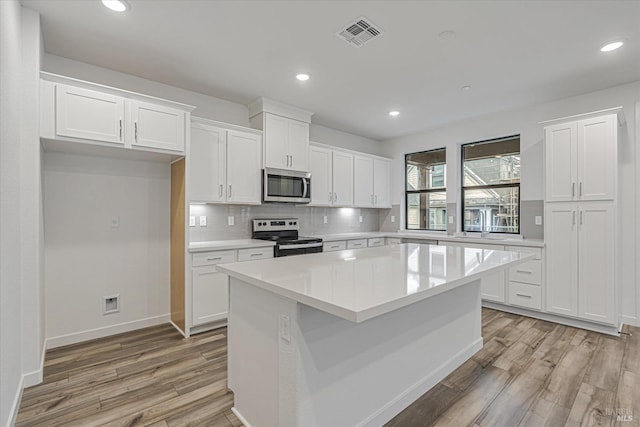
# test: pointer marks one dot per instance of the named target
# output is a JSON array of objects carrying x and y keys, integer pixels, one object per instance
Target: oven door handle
[{"x": 300, "y": 246}]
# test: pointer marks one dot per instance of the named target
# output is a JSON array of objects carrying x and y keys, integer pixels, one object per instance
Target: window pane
[
  {"x": 426, "y": 170},
  {"x": 490, "y": 171},
  {"x": 498, "y": 206},
  {"x": 427, "y": 211}
]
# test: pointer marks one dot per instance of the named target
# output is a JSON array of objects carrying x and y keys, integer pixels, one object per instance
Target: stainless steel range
[{"x": 285, "y": 233}]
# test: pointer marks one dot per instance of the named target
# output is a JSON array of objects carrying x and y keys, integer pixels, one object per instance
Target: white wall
[
  {"x": 329, "y": 136},
  {"x": 525, "y": 122},
  {"x": 10, "y": 242},
  {"x": 206, "y": 106},
  {"x": 87, "y": 258},
  {"x": 31, "y": 225}
]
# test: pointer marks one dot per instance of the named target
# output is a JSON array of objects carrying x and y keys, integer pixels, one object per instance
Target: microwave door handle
[{"x": 305, "y": 188}]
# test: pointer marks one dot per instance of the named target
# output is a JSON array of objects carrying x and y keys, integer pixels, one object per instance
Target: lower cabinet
[
  {"x": 210, "y": 295},
  {"x": 334, "y": 246},
  {"x": 356, "y": 244},
  {"x": 376, "y": 241}
]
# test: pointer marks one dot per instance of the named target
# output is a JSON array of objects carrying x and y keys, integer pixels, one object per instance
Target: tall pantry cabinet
[{"x": 580, "y": 218}]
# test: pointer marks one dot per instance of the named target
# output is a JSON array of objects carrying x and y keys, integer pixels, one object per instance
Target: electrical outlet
[
  {"x": 192, "y": 221},
  {"x": 285, "y": 328},
  {"x": 393, "y": 218},
  {"x": 231, "y": 219},
  {"x": 538, "y": 219},
  {"x": 450, "y": 219},
  {"x": 115, "y": 222},
  {"x": 360, "y": 218},
  {"x": 325, "y": 219},
  {"x": 203, "y": 220},
  {"x": 111, "y": 304}
]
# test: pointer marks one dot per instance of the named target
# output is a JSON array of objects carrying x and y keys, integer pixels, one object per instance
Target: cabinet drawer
[
  {"x": 525, "y": 295},
  {"x": 528, "y": 272},
  {"x": 212, "y": 258},
  {"x": 394, "y": 241},
  {"x": 356, "y": 244},
  {"x": 334, "y": 246},
  {"x": 378, "y": 241},
  {"x": 537, "y": 251},
  {"x": 255, "y": 253}
]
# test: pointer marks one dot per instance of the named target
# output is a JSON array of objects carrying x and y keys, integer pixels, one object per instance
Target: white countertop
[
  {"x": 218, "y": 245},
  {"x": 364, "y": 283},
  {"x": 351, "y": 236}
]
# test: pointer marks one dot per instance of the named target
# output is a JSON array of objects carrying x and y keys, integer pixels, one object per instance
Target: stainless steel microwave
[{"x": 285, "y": 186}]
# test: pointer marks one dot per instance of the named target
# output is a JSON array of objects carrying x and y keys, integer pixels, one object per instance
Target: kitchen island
[{"x": 351, "y": 338}]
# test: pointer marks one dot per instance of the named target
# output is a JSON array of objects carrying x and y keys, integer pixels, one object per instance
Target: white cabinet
[
  {"x": 157, "y": 126},
  {"x": 581, "y": 260},
  {"x": 581, "y": 160},
  {"x": 492, "y": 286},
  {"x": 286, "y": 143},
  {"x": 224, "y": 165},
  {"x": 342, "y": 179},
  {"x": 375, "y": 241},
  {"x": 334, "y": 246},
  {"x": 210, "y": 295},
  {"x": 89, "y": 114},
  {"x": 320, "y": 167},
  {"x": 372, "y": 182},
  {"x": 73, "y": 111},
  {"x": 356, "y": 244}
]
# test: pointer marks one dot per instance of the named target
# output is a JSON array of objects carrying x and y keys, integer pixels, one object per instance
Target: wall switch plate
[
  {"x": 231, "y": 220},
  {"x": 538, "y": 219},
  {"x": 393, "y": 218},
  {"x": 115, "y": 222},
  {"x": 285, "y": 328},
  {"x": 325, "y": 219},
  {"x": 203, "y": 220},
  {"x": 192, "y": 220},
  {"x": 450, "y": 219},
  {"x": 360, "y": 218}
]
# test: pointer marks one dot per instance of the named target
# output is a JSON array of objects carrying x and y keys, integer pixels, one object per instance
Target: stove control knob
[
  {"x": 290, "y": 223},
  {"x": 295, "y": 223}
]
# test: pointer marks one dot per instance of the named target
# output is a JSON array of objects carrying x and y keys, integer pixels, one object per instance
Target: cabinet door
[
  {"x": 597, "y": 157},
  {"x": 320, "y": 169},
  {"x": 276, "y": 141},
  {"x": 210, "y": 295},
  {"x": 561, "y": 234},
  {"x": 298, "y": 145},
  {"x": 363, "y": 182},
  {"x": 207, "y": 164},
  {"x": 561, "y": 151},
  {"x": 244, "y": 151},
  {"x": 596, "y": 252},
  {"x": 382, "y": 183},
  {"x": 157, "y": 126},
  {"x": 342, "y": 179},
  {"x": 87, "y": 114}
]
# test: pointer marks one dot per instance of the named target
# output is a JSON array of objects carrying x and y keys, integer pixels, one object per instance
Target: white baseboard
[
  {"x": 240, "y": 417},
  {"x": 106, "y": 331},
  {"x": 15, "y": 405},
  {"x": 400, "y": 402},
  {"x": 36, "y": 377},
  {"x": 630, "y": 320}
]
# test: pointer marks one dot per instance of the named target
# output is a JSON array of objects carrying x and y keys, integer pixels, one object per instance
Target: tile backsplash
[{"x": 339, "y": 220}]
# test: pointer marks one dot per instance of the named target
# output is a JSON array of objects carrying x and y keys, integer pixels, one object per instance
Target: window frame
[
  {"x": 490, "y": 186},
  {"x": 430, "y": 190}
]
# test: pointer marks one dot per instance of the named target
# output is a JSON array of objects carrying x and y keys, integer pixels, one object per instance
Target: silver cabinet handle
[
  {"x": 573, "y": 189},
  {"x": 291, "y": 160},
  {"x": 580, "y": 217},
  {"x": 335, "y": 246},
  {"x": 120, "y": 129},
  {"x": 260, "y": 254},
  {"x": 220, "y": 192},
  {"x": 229, "y": 190},
  {"x": 580, "y": 189},
  {"x": 524, "y": 295},
  {"x": 214, "y": 259},
  {"x": 335, "y": 197},
  {"x": 524, "y": 271},
  {"x": 574, "y": 217},
  {"x": 135, "y": 131}
]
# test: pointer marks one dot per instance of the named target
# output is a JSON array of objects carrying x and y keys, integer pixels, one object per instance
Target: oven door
[
  {"x": 284, "y": 186},
  {"x": 298, "y": 249}
]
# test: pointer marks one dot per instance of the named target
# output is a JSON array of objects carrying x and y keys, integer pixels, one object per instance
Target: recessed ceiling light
[
  {"x": 116, "y": 5},
  {"x": 303, "y": 77},
  {"x": 611, "y": 46},
  {"x": 467, "y": 87},
  {"x": 394, "y": 113},
  {"x": 447, "y": 35}
]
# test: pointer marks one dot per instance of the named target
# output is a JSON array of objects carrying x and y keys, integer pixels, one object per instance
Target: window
[
  {"x": 425, "y": 186},
  {"x": 491, "y": 185}
]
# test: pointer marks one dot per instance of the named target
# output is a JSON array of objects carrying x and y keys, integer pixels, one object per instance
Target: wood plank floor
[{"x": 529, "y": 373}]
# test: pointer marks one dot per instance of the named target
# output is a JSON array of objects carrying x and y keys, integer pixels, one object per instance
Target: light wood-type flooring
[{"x": 529, "y": 373}]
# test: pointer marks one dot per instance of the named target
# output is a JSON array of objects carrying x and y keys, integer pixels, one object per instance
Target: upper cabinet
[
  {"x": 224, "y": 164},
  {"x": 372, "y": 182},
  {"x": 77, "y": 111},
  {"x": 581, "y": 160},
  {"x": 286, "y": 134}
]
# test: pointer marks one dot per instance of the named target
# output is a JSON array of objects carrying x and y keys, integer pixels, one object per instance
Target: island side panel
[
  {"x": 254, "y": 353},
  {"x": 365, "y": 373}
]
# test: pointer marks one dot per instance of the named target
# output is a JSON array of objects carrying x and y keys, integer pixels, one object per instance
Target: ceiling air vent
[{"x": 359, "y": 32}]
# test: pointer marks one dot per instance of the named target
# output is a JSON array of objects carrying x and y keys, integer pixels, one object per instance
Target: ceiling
[{"x": 512, "y": 53}]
